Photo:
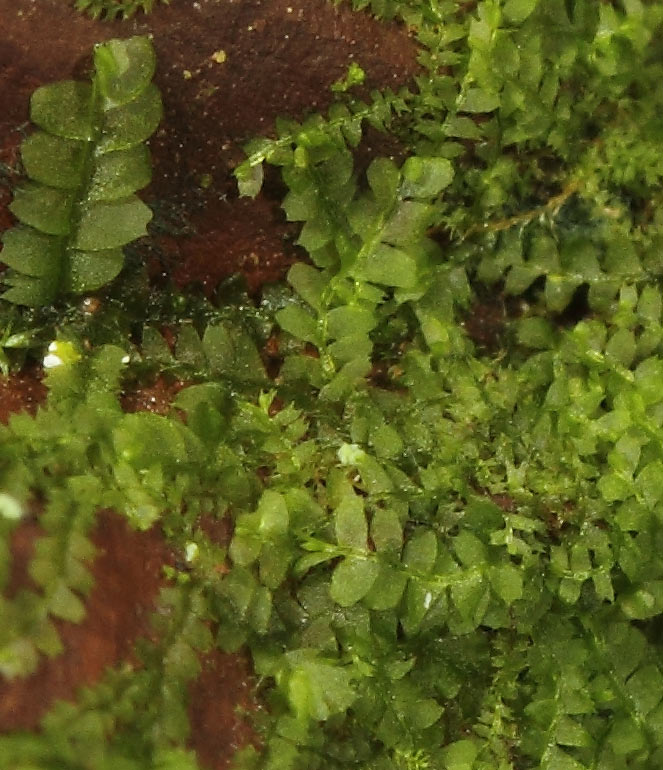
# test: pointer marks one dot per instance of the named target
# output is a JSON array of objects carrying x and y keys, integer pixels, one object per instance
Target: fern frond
[
  {"x": 112, "y": 10},
  {"x": 84, "y": 165}
]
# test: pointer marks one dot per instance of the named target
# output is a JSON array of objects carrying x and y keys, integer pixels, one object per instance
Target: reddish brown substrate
[
  {"x": 20, "y": 392},
  {"x": 127, "y": 576},
  {"x": 156, "y": 397},
  {"x": 219, "y": 698}
]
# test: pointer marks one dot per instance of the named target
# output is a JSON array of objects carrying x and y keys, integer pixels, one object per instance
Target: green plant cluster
[
  {"x": 112, "y": 10},
  {"x": 446, "y": 548},
  {"x": 84, "y": 165}
]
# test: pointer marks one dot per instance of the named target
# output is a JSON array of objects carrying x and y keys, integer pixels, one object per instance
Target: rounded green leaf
[
  {"x": 350, "y": 522},
  {"x": 425, "y": 713},
  {"x": 425, "y": 177},
  {"x": 44, "y": 208},
  {"x": 386, "y": 527},
  {"x": 387, "y": 590},
  {"x": 273, "y": 512},
  {"x": 64, "y": 109},
  {"x": 132, "y": 123},
  {"x": 516, "y": 11},
  {"x": 53, "y": 160},
  {"x": 352, "y": 580},
  {"x": 219, "y": 349},
  {"x": 30, "y": 251},
  {"x": 389, "y": 266},
  {"x": 110, "y": 224},
  {"x": 350, "y": 320},
  {"x": 91, "y": 270},
  {"x": 65, "y": 604},
  {"x": 124, "y": 69},
  {"x": 27, "y": 290},
  {"x": 384, "y": 178},
  {"x": 119, "y": 174},
  {"x": 421, "y": 551},
  {"x": 507, "y": 582},
  {"x": 249, "y": 179},
  {"x": 309, "y": 283},
  {"x": 296, "y": 321},
  {"x": 478, "y": 100}
]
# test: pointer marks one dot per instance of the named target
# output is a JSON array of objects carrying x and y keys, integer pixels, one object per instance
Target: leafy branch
[{"x": 79, "y": 209}]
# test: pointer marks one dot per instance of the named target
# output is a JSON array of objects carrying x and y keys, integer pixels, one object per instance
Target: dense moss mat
[{"x": 445, "y": 540}]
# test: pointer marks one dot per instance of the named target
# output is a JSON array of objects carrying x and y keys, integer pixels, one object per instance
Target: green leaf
[
  {"x": 614, "y": 486},
  {"x": 425, "y": 177},
  {"x": 507, "y": 582},
  {"x": 536, "y": 332},
  {"x": 24, "y": 290},
  {"x": 556, "y": 759},
  {"x": 352, "y": 579},
  {"x": 516, "y": 11},
  {"x": 386, "y": 441},
  {"x": 308, "y": 282},
  {"x": 426, "y": 713},
  {"x": 622, "y": 347},
  {"x": 273, "y": 514},
  {"x": 469, "y": 596},
  {"x": 124, "y": 69},
  {"x": 559, "y": 291},
  {"x": 119, "y": 174},
  {"x": 469, "y": 549},
  {"x": 274, "y": 563},
  {"x": 64, "y": 109},
  {"x": 315, "y": 234},
  {"x": 249, "y": 179},
  {"x": 384, "y": 179},
  {"x": 644, "y": 602},
  {"x": 296, "y": 321},
  {"x": 125, "y": 127},
  {"x": 462, "y": 127},
  {"x": 571, "y": 733},
  {"x": 350, "y": 522},
  {"x": 45, "y": 208},
  {"x": 143, "y": 438},
  {"x": 350, "y": 347},
  {"x": 387, "y": 590},
  {"x": 189, "y": 347},
  {"x": 388, "y": 265},
  {"x": 93, "y": 269},
  {"x": 318, "y": 690},
  {"x": 625, "y": 737},
  {"x": 649, "y": 483},
  {"x": 460, "y": 755},
  {"x": 64, "y": 604},
  {"x": 420, "y": 551},
  {"x": 110, "y": 224},
  {"x": 30, "y": 251},
  {"x": 53, "y": 161},
  {"x": 386, "y": 530},
  {"x": 645, "y": 688},
  {"x": 479, "y": 100},
  {"x": 349, "y": 320},
  {"x": 346, "y": 380},
  {"x": 407, "y": 224},
  {"x": 218, "y": 347}
]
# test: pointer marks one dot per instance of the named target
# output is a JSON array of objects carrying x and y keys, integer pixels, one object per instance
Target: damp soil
[{"x": 227, "y": 70}]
